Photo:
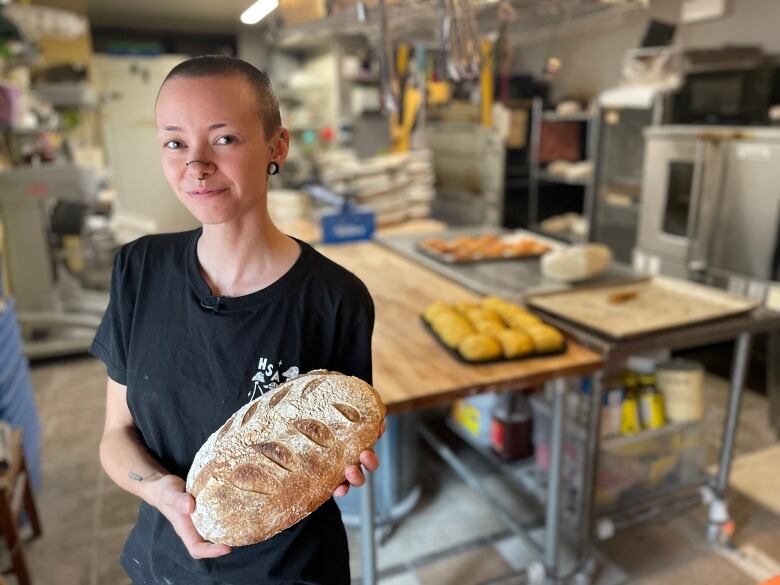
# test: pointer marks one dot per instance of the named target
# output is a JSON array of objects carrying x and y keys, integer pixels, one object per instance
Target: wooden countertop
[{"x": 411, "y": 369}]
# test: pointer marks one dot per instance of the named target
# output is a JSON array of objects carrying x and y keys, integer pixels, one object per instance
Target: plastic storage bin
[
  {"x": 396, "y": 482},
  {"x": 17, "y": 402},
  {"x": 630, "y": 468},
  {"x": 471, "y": 417}
]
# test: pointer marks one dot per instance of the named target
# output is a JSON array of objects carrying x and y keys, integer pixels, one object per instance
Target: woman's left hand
[{"x": 354, "y": 474}]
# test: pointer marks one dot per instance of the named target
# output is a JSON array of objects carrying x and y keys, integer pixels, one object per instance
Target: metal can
[{"x": 681, "y": 382}]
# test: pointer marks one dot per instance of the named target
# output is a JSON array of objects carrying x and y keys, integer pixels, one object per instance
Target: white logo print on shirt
[{"x": 267, "y": 377}]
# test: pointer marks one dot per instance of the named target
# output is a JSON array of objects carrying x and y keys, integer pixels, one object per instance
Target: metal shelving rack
[
  {"x": 538, "y": 175},
  {"x": 417, "y": 20}
]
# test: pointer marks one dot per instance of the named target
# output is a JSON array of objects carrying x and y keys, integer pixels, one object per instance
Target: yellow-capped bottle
[
  {"x": 651, "y": 403},
  {"x": 630, "y": 422}
]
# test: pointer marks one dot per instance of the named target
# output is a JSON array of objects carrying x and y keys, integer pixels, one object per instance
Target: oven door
[{"x": 674, "y": 183}]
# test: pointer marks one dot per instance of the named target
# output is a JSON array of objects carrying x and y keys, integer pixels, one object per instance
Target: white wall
[
  {"x": 591, "y": 60},
  {"x": 145, "y": 201}
]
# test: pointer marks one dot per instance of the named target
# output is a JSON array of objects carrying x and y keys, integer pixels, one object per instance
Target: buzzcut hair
[{"x": 207, "y": 65}]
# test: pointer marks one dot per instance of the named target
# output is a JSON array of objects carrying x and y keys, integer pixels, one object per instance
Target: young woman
[{"x": 199, "y": 323}]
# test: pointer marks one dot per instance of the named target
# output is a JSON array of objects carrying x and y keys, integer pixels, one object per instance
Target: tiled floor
[{"x": 451, "y": 538}]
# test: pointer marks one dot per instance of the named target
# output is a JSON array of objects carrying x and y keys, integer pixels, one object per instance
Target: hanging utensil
[
  {"x": 503, "y": 48},
  {"x": 459, "y": 40},
  {"x": 389, "y": 100},
  {"x": 442, "y": 64},
  {"x": 472, "y": 55},
  {"x": 360, "y": 11}
]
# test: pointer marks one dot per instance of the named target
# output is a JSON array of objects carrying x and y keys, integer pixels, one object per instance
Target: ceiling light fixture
[{"x": 258, "y": 11}]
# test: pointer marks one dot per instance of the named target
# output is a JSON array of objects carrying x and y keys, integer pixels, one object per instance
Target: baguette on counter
[{"x": 280, "y": 457}]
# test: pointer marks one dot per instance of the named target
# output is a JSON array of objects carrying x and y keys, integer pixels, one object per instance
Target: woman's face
[{"x": 214, "y": 124}]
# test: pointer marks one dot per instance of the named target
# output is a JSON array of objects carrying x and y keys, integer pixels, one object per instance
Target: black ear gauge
[{"x": 273, "y": 168}]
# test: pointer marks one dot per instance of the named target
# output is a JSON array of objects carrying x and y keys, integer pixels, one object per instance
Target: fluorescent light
[{"x": 258, "y": 11}]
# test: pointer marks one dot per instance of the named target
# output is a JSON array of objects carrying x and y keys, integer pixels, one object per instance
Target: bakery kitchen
[{"x": 267, "y": 377}]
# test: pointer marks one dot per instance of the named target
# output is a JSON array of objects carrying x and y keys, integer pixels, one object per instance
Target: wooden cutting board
[{"x": 647, "y": 306}]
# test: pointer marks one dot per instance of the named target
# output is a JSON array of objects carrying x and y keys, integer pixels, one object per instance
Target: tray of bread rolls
[
  {"x": 492, "y": 331},
  {"x": 466, "y": 249}
]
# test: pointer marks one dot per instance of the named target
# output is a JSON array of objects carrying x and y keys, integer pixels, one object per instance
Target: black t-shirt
[{"x": 189, "y": 362}]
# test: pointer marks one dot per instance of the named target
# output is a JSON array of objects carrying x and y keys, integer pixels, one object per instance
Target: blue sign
[{"x": 347, "y": 225}]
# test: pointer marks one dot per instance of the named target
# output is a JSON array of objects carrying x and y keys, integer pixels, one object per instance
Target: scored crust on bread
[{"x": 281, "y": 456}]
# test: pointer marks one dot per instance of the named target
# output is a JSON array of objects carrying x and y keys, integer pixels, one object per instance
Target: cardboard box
[
  {"x": 297, "y": 12},
  {"x": 518, "y": 129}
]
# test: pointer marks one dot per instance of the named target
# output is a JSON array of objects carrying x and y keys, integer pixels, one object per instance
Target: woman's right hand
[{"x": 168, "y": 495}]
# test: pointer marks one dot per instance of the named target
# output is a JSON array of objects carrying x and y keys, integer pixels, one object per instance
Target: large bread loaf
[
  {"x": 576, "y": 263},
  {"x": 281, "y": 456}
]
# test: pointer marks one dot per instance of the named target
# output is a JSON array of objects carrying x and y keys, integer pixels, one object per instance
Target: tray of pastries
[
  {"x": 462, "y": 249},
  {"x": 492, "y": 331}
]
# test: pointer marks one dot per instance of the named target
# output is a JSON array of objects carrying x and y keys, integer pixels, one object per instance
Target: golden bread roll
[
  {"x": 446, "y": 318},
  {"x": 479, "y": 347},
  {"x": 488, "y": 326},
  {"x": 515, "y": 343},
  {"x": 493, "y": 303},
  {"x": 485, "y": 320},
  {"x": 519, "y": 319},
  {"x": 463, "y": 307},
  {"x": 506, "y": 310},
  {"x": 451, "y": 328},
  {"x": 500, "y": 306},
  {"x": 480, "y": 314},
  {"x": 434, "y": 309},
  {"x": 545, "y": 337}
]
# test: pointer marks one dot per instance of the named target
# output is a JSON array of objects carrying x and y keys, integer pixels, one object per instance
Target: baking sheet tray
[
  {"x": 509, "y": 238},
  {"x": 660, "y": 304},
  {"x": 450, "y": 259}
]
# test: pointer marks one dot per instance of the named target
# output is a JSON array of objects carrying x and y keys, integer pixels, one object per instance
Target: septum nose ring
[{"x": 204, "y": 162}]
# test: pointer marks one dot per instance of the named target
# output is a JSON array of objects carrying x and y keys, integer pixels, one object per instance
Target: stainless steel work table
[
  {"x": 516, "y": 279},
  {"x": 412, "y": 371}
]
